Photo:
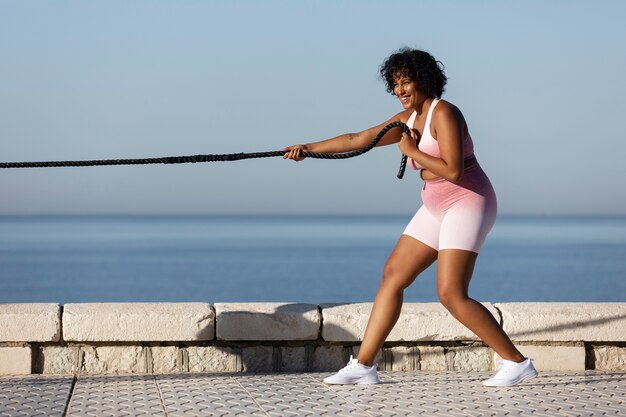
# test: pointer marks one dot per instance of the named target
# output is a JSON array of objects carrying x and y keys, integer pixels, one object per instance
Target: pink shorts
[{"x": 455, "y": 215}]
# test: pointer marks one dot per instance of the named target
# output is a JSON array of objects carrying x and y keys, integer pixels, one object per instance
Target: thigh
[
  {"x": 454, "y": 272},
  {"x": 424, "y": 227},
  {"x": 465, "y": 224},
  {"x": 409, "y": 258}
]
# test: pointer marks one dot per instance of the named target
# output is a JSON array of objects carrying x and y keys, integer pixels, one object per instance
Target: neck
[{"x": 422, "y": 107}]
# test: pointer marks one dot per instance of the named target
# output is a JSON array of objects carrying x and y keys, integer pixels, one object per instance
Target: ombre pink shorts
[{"x": 455, "y": 215}]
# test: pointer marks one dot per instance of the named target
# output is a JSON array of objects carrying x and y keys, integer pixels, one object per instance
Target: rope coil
[{"x": 215, "y": 157}]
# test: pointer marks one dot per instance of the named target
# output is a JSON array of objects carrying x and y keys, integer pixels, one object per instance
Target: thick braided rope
[{"x": 213, "y": 157}]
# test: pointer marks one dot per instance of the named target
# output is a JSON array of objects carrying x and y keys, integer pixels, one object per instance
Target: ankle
[
  {"x": 365, "y": 362},
  {"x": 517, "y": 359}
]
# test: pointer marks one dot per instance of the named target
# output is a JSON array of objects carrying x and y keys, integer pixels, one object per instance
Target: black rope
[{"x": 214, "y": 157}]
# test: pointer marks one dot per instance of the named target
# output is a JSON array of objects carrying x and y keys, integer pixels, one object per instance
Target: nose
[{"x": 398, "y": 90}]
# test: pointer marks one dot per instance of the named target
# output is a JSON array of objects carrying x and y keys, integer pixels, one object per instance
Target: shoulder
[{"x": 446, "y": 112}]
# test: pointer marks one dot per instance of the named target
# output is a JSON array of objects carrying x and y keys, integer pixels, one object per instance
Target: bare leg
[
  {"x": 409, "y": 258},
  {"x": 454, "y": 272}
]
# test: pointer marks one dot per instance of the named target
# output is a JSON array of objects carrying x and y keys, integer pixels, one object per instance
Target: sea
[{"x": 293, "y": 258}]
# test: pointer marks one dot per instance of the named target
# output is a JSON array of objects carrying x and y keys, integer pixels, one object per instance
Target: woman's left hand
[{"x": 408, "y": 144}]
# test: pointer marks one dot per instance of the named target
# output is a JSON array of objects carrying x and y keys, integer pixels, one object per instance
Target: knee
[
  {"x": 450, "y": 298},
  {"x": 392, "y": 279}
]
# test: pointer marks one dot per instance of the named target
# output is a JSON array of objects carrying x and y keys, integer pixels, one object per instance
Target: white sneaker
[
  {"x": 512, "y": 373},
  {"x": 355, "y": 373}
]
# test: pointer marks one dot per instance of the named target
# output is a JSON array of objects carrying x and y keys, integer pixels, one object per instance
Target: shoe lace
[{"x": 352, "y": 364}]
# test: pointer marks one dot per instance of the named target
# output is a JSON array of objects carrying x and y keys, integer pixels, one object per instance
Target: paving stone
[
  {"x": 34, "y": 395},
  {"x": 111, "y": 395},
  {"x": 206, "y": 395},
  {"x": 296, "y": 395},
  {"x": 442, "y": 393}
]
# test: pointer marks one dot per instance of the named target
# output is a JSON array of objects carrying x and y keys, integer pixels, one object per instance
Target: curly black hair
[{"x": 420, "y": 66}]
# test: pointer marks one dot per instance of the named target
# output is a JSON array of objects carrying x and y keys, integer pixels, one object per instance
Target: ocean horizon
[{"x": 64, "y": 258}]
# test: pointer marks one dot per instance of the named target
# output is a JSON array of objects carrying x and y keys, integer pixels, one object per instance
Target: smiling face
[{"x": 406, "y": 90}]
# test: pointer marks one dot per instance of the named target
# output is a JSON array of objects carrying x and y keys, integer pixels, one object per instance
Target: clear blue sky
[{"x": 541, "y": 84}]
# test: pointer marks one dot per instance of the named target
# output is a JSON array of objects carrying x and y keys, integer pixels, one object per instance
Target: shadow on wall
[
  {"x": 570, "y": 326},
  {"x": 271, "y": 338},
  {"x": 288, "y": 338}
]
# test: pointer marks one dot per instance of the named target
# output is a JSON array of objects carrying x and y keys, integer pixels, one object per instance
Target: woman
[{"x": 459, "y": 208}]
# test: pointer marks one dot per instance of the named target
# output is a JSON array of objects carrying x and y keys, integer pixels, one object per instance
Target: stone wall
[{"x": 119, "y": 338}]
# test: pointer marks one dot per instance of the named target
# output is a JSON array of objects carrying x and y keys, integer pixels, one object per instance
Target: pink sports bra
[{"x": 428, "y": 144}]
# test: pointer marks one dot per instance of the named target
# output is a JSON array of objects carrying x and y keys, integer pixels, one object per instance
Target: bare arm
[
  {"x": 448, "y": 124},
  {"x": 348, "y": 141}
]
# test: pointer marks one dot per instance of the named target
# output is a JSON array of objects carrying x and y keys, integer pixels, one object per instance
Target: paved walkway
[{"x": 589, "y": 393}]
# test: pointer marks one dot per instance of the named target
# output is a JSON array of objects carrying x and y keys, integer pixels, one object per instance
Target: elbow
[{"x": 455, "y": 176}]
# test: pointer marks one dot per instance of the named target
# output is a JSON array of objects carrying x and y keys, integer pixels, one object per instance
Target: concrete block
[
  {"x": 165, "y": 359},
  {"x": 564, "y": 321},
  {"x": 136, "y": 322},
  {"x": 551, "y": 358},
  {"x": 432, "y": 358},
  {"x": 59, "y": 360},
  {"x": 267, "y": 321},
  {"x": 257, "y": 359},
  {"x": 113, "y": 360},
  {"x": 404, "y": 358},
  {"x": 30, "y": 322},
  {"x": 610, "y": 358},
  {"x": 15, "y": 360},
  {"x": 344, "y": 322},
  {"x": 469, "y": 358},
  {"x": 328, "y": 359},
  {"x": 292, "y": 359},
  {"x": 417, "y": 322},
  {"x": 213, "y": 359}
]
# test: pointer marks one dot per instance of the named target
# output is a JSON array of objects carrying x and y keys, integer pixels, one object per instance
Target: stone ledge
[
  {"x": 30, "y": 322},
  {"x": 267, "y": 321},
  {"x": 564, "y": 321},
  {"x": 552, "y": 358},
  {"x": 137, "y": 322},
  {"x": 417, "y": 322},
  {"x": 287, "y": 337}
]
